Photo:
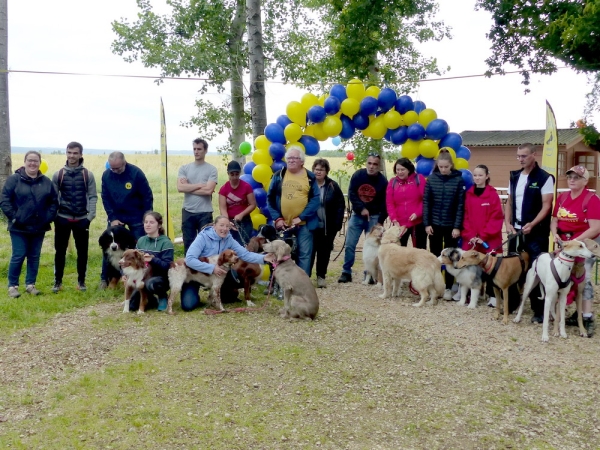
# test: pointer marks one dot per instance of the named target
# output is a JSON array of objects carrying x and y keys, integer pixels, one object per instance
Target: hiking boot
[
  {"x": 448, "y": 295},
  {"x": 103, "y": 285},
  {"x": 30, "y": 289},
  {"x": 57, "y": 287},
  {"x": 13, "y": 292},
  {"x": 81, "y": 287},
  {"x": 590, "y": 325},
  {"x": 345, "y": 278},
  {"x": 572, "y": 320},
  {"x": 321, "y": 283},
  {"x": 162, "y": 304}
]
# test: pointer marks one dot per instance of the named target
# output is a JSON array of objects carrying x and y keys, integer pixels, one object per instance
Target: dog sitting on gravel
[{"x": 469, "y": 277}]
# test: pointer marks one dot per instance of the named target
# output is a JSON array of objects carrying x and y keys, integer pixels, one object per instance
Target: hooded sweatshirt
[{"x": 161, "y": 248}]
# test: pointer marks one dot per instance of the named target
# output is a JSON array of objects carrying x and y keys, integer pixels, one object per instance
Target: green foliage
[{"x": 591, "y": 136}]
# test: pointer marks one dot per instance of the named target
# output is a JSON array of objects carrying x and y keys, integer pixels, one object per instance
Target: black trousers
[
  {"x": 438, "y": 241},
  {"x": 157, "y": 287},
  {"x": 418, "y": 237},
  {"x": 81, "y": 235},
  {"x": 191, "y": 224},
  {"x": 322, "y": 247}
]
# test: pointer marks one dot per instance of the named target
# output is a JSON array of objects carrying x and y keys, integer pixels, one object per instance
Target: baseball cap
[
  {"x": 581, "y": 171},
  {"x": 234, "y": 166}
]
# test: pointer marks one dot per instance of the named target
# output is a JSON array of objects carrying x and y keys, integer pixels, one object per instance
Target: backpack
[
  {"x": 395, "y": 181},
  {"x": 61, "y": 175},
  {"x": 586, "y": 200}
]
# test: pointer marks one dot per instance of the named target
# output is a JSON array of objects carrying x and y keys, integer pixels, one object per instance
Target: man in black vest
[
  {"x": 77, "y": 208},
  {"x": 528, "y": 208}
]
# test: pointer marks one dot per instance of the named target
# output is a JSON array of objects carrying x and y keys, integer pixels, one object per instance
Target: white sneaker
[
  {"x": 321, "y": 283},
  {"x": 447, "y": 294},
  {"x": 492, "y": 302},
  {"x": 456, "y": 297}
]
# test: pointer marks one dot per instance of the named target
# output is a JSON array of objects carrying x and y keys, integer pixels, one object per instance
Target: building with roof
[{"x": 498, "y": 150}]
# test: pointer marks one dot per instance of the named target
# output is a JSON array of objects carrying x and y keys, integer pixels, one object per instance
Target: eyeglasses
[
  {"x": 117, "y": 169},
  {"x": 574, "y": 177},
  {"x": 293, "y": 158},
  {"x": 31, "y": 161}
]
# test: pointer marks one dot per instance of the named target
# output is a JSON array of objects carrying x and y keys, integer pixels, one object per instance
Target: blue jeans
[
  {"x": 190, "y": 296},
  {"x": 356, "y": 226},
  {"x": 305, "y": 248},
  {"x": 137, "y": 229},
  {"x": 24, "y": 245}
]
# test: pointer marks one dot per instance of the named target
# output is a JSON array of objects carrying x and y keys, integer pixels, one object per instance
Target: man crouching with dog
[{"x": 576, "y": 215}]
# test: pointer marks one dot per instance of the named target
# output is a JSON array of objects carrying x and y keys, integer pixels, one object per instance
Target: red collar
[
  {"x": 285, "y": 258},
  {"x": 487, "y": 268}
]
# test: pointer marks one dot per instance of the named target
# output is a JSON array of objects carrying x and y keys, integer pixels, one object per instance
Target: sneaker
[
  {"x": 103, "y": 285},
  {"x": 162, "y": 304},
  {"x": 456, "y": 296},
  {"x": 30, "y": 289},
  {"x": 537, "y": 319},
  {"x": 81, "y": 287},
  {"x": 492, "y": 302},
  {"x": 345, "y": 278},
  {"x": 13, "y": 292},
  {"x": 447, "y": 295},
  {"x": 321, "y": 283},
  {"x": 590, "y": 325},
  {"x": 57, "y": 287}
]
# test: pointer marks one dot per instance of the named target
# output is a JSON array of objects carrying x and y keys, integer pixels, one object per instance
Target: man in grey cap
[
  {"x": 197, "y": 180},
  {"x": 237, "y": 201}
]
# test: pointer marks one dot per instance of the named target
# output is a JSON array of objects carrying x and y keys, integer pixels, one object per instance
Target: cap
[
  {"x": 234, "y": 166},
  {"x": 581, "y": 171}
]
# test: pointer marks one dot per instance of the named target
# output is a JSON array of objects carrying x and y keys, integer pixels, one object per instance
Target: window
[
  {"x": 588, "y": 161},
  {"x": 562, "y": 163}
]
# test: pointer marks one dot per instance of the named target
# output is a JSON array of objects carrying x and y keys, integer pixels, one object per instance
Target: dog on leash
[
  {"x": 504, "y": 271},
  {"x": 136, "y": 273},
  {"x": 554, "y": 273},
  {"x": 371, "y": 257},
  {"x": 243, "y": 274},
  {"x": 469, "y": 277},
  {"x": 408, "y": 263},
  {"x": 114, "y": 241}
]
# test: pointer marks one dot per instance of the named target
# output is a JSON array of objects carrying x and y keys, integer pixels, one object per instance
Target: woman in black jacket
[
  {"x": 331, "y": 217},
  {"x": 29, "y": 201},
  {"x": 443, "y": 209}
]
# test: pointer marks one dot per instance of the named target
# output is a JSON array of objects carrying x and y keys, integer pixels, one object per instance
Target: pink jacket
[
  {"x": 405, "y": 197},
  {"x": 483, "y": 219}
]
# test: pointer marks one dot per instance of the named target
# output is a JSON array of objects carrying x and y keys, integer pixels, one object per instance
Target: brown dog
[
  {"x": 136, "y": 272},
  {"x": 503, "y": 270},
  {"x": 248, "y": 273}
]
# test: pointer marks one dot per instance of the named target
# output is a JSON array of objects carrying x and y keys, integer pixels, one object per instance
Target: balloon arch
[{"x": 376, "y": 113}]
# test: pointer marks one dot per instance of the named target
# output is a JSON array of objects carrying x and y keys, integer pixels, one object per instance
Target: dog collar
[
  {"x": 285, "y": 258},
  {"x": 487, "y": 268},
  {"x": 561, "y": 258}
]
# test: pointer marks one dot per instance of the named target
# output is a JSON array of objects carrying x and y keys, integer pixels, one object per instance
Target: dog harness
[
  {"x": 492, "y": 269},
  {"x": 561, "y": 284}
]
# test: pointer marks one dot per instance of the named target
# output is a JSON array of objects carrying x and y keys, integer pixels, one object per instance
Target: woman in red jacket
[
  {"x": 404, "y": 200},
  {"x": 483, "y": 214}
]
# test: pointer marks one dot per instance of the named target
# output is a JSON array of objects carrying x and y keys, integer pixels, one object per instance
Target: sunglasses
[{"x": 376, "y": 155}]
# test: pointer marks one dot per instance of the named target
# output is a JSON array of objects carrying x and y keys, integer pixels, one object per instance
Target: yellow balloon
[
  {"x": 310, "y": 131},
  {"x": 355, "y": 89},
  {"x": 332, "y": 126},
  {"x": 319, "y": 132},
  {"x": 372, "y": 91},
  {"x": 255, "y": 211},
  {"x": 451, "y": 151},
  {"x": 410, "y": 117},
  {"x": 309, "y": 100},
  {"x": 299, "y": 145},
  {"x": 292, "y": 132},
  {"x": 43, "y": 166},
  {"x": 410, "y": 149},
  {"x": 297, "y": 113},
  {"x": 322, "y": 99},
  {"x": 350, "y": 107},
  {"x": 428, "y": 148},
  {"x": 262, "y": 157},
  {"x": 266, "y": 273},
  {"x": 377, "y": 128},
  {"x": 262, "y": 173},
  {"x": 258, "y": 220},
  {"x": 426, "y": 116},
  {"x": 461, "y": 163},
  {"x": 262, "y": 143},
  {"x": 392, "y": 119}
]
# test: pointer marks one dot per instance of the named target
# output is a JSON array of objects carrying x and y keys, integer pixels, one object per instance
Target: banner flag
[
  {"x": 550, "y": 154},
  {"x": 167, "y": 221}
]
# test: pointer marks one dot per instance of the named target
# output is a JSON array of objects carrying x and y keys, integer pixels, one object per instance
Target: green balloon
[{"x": 245, "y": 148}]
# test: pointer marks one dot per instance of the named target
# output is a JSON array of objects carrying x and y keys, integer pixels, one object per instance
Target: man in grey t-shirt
[{"x": 197, "y": 180}]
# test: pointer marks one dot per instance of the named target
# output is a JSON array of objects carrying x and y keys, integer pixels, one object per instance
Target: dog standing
[
  {"x": 469, "y": 277},
  {"x": 114, "y": 241},
  {"x": 370, "y": 255},
  {"x": 136, "y": 273}
]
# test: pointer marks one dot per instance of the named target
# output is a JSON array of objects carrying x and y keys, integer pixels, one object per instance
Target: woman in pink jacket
[
  {"x": 482, "y": 226},
  {"x": 404, "y": 199}
]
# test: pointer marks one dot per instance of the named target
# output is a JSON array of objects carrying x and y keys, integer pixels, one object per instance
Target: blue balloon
[
  {"x": 248, "y": 167},
  {"x": 368, "y": 106},
  {"x": 388, "y": 135},
  {"x": 416, "y": 132},
  {"x": 283, "y": 121},
  {"x": 311, "y": 145},
  {"x": 277, "y": 151},
  {"x": 332, "y": 105},
  {"x": 419, "y": 106},
  {"x": 425, "y": 166},
  {"x": 338, "y": 91},
  {"x": 265, "y": 212},
  {"x": 336, "y": 140},
  {"x": 251, "y": 181},
  {"x": 404, "y": 104},
  {"x": 278, "y": 165},
  {"x": 463, "y": 152},
  {"x": 437, "y": 129},
  {"x": 467, "y": 177},
  {"x": 419, "y": 158},
  {"x": 316, "y": 114},
  {"x": 399, "y": 136},
  {"x": 360, "y": 121},
  {"x": 274, "y": 133},
  {"x": 452, "y": 140},
  {"x": 261, "y": 197},
  {"x": 347, "y": 127},
  {"x": 107, "y": 166},
  {"x": 386, "y": 99}
]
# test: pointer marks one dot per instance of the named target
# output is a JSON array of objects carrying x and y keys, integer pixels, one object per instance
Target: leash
[
  {"x": 243, "y": 236},
  {"x": 509, "y": 238}
]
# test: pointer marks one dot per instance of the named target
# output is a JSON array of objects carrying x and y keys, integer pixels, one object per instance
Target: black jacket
[
  {"x": 335, "y": 205},
  {"x": 30, "y": 204},
  {"x": 444, "y": 200}
]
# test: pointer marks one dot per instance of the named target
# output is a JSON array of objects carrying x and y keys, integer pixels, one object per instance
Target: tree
[
  {"x": 5, "y": 164},
  {"x": 257, "y": 68}
]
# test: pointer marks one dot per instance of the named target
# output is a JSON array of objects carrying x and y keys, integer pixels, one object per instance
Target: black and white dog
[
  {"x": 114, "y": 241},
  {"x": 469, "y": 277}
]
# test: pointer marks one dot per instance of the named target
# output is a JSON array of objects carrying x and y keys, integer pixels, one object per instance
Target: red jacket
[
  {"x": 405, "y": 197},
  {"x": 483, "y": 219}
]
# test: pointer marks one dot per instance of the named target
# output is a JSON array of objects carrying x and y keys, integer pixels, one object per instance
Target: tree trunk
[
  {"x": 257, "y": 68},
  {"x": 235, "y": 45},
  {"x": 5, "y": 161}
]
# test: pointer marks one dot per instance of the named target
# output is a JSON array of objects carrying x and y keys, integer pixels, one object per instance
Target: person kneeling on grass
[
  {"x": 158, "y": 253},
  {"x": 213, "y": 240}
]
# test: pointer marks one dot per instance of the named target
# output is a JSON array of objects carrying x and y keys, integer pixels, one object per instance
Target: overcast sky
[{"x": 123, "y": 113}]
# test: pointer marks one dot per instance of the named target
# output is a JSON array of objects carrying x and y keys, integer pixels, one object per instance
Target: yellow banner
[
  {"x": 167, "y": 222},
  {"x": 550, "y": 155}
]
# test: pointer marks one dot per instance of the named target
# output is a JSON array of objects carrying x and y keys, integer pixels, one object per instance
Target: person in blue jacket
[
  {"x": 294, "y": 199},
  {"x": 213, "y": 240}
]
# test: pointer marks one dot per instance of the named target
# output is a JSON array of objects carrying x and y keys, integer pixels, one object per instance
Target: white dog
[{"x": 370, "y": 255}]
